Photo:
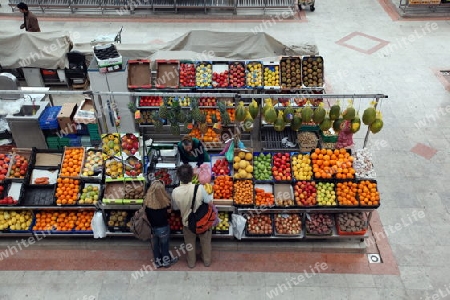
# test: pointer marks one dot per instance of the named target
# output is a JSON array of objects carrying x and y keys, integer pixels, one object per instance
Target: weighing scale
[{"x": 163, "y": 156}]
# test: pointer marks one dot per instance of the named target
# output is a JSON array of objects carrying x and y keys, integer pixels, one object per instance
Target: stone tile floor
[{"x": 409, "y": 182}]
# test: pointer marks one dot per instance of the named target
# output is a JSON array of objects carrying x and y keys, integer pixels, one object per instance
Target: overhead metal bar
[{"x": 194, "y": 94}]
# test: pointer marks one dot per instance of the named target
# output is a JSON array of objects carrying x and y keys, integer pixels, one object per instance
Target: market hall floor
[{"x": 365, "y": 51}]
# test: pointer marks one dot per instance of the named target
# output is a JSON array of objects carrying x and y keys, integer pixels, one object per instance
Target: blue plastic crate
[
  {"x": 82, "y": 129},
  {"x": 75, "y": 141},
  {"x": 49, "y": 118}
]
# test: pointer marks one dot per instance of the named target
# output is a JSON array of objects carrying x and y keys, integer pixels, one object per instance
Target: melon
[
  {"x": 319, "y": 114},
  {"x": 248, "y": 121},
  {"x": 349, "y": 113},
  {"x": 243, "y": 164},
  {"x": 253, "y": 109},
  {"x": 267, "y": 104},
  {"x": 326, "y": 124},
  {"x": 242, "y": 173},
  {"x": 376, "y": 126},
  {"x": 289, "y": 114},
  {"x": 240, "y": 112},
  {"x": 307, "y": 114},
  {"x": 335, "y": 111},
  {"x": 270, "y": 115},
  {"x": 296, "y": 122},
  {"x": 369, "y": 115},
  {"x": 355, "y": 125},
  {"x": 279, "y": 123},
  {"x": 337, "y": 125}
]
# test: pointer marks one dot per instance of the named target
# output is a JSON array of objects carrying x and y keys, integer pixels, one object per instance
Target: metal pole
[{"x": 196, "y": 94}]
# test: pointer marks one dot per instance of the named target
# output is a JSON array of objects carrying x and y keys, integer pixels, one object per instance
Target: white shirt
[{"x": 182, "y": 196}]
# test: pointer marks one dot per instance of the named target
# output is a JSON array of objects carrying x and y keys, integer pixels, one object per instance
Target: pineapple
[
  {"x": 224, "y": 116},
  {"x": 196, "y": 113},
  {"x": 163, "y": 109}
]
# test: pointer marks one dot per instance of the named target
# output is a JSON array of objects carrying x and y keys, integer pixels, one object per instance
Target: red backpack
[{"x": 203, "y": 218}]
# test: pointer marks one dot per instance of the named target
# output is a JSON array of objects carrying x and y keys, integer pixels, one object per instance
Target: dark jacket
[
  {"x": 198, "y": 153},
  {"x": 31, "y": 22}
]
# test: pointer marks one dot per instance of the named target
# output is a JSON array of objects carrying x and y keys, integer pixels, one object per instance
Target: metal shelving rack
[{"x": 424, "y": 6}]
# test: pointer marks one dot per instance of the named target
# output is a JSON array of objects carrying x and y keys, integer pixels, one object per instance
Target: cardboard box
[
  {"x": 65, "y": 117},
  {"x": 86, "y": 113}
]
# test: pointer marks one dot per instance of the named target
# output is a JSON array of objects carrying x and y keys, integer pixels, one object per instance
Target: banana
[{"x": 208, "y": 188}]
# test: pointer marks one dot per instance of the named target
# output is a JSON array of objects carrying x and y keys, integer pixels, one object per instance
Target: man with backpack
[{"x": 184, "y": 196}]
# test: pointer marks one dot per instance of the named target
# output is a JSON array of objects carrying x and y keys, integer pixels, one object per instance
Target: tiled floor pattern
[
  {"x": 424, "y": 151},
  {"x": 362, "y": 42}
]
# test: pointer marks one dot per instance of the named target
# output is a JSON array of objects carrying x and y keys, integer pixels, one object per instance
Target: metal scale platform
[{"x": 163, "y": 156}]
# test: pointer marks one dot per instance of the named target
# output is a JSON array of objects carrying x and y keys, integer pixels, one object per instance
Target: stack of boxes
[{"x": 64, "y": 126}]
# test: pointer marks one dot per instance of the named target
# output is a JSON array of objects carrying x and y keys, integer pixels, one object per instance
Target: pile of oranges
[
  {"x": 71, "y": 165},
  {"x": 210, "y": 136},
  {"x": 195, "y": 133},
  {"x": 327, "y": 163},
  {"x": 262, "y": 198},
  {"x": 63, "y": 220},
  {"x": 209, "y": 112},
  {"x": 223, "y": 187},
  {"x": 67, "y": 191},
  {"x": 231, "y": 112},
  {"x": 346, "y": 193},
  {"x": 368, "y": 193}
]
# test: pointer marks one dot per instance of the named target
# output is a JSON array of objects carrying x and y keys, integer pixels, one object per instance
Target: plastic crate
[
  {"x": 49, "y": 118},
  {"x": 85, "y": 141},
  {"x": 82, "y": 129},
  {"x": 64, "y": 142},
  {"x": 75, "y": 141}
]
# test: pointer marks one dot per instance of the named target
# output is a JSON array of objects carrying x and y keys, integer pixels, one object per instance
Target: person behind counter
[{"x": 192, "y": 150}]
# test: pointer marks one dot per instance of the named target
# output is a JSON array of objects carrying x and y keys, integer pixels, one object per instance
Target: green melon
[
  {"x": 307, "y": 114},
  {"x": 296, "y": 122},
  {"x": 270, "y": 115},
  {"x": 335, "y": 111},
  {"x": 369, "y": 115},
  {"x": 253, "y": 109},
  {"x": 240, "y": 112},
  {"x": 319, "y": 114},
  {"x": 349, "y": 113},
  {"x": 337, "y": 125},
  {"x": 326, "y": 124},
  {"x": 376, "y": 126},
  {"x": 288, "y": 114},
  {"x": 279, "y": 123},
  {"x": 356, "y": 124}
]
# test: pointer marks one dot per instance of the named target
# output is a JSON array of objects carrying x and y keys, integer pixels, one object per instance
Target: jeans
[{"x": 160, "y": 245}]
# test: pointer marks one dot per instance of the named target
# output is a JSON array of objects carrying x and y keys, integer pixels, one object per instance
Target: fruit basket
[
  {"x": 90, "y": 193},
  {"x": 236, "y": 74},
  {"x": 351, "y": 223},
  {"x": 203, "y": 75},
  {"x": 224, "y": 226},
  {"x": 114, "y": 169},
  {"x": 259, "y": 225},
  {"x": 284, "y": 195},
  {"x": 139, "y": 74},
  {"x": 38, "y": 195},
  {"x": 329, "y": 136},
  {"x": 319, "y": 224},
  {"x": 281, "y": 167},
  {"x": 67, "y": 191},
  {"x": 307, "y": 140},
  {"x": 24, "y": 226},
  {"x": 336, "y": 164},
  {"x": 134, "y": 192},
  {"x": 305, "y": 193},
  {"x": 92, "y": 164},
  {"x": 167, "y": 74},
  {"x": 326, "y": 193},
  {"x": 148, "y": 101},
  {"x": 168, "y": 176},
  {"x": 118, "y": 220},
  {"x": 5, "y": 160},
  {"x": 291, "y": 73},
  {"x": 19, "y": 165},
  {"x": 175, "y": 222},
  {"x": 262, "y": 167},
  {"x": 301, "y": 166},
  {"x": 288, "y": 225},
  {"x": 10, "y": 193},
  {"x": 130, "y": 144},
  {"x": 313, "y": 71},
  {"x": 72, "y": 162},
  {"x": 243, "y": 163},
  {"x": 133, "y": 167},
  {"x": 368, "y": 194},
  {"x": 363, "y": 165},
  {"x": 220, "y": 166},
  {"x": 110, "y": 145},
  {"x": 346, "y": 193},
  {"x": 243, "y": 195},
  {"x": 264, "y": 195},
  {"x": 187, "y": 74},
  {"x": 223, "y": 188},
  {"x": 254, "y": 74},
  {"x": 114, "y": 193},
  {"x": 44, "y": 176},
  {"x": 220, "y": 75},
  {"x": 271, "y": 75}
]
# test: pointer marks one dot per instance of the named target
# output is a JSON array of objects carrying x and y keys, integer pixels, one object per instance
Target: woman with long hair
[{"x": 157, "y": 206}]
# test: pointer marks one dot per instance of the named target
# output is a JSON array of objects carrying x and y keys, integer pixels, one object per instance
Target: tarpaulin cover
[
  {"x": 211, "y": 45},
  {"x": 45, "y": 50}
]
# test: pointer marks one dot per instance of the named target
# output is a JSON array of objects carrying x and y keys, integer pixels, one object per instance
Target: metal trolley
[{"x": 309, "y": 3}]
